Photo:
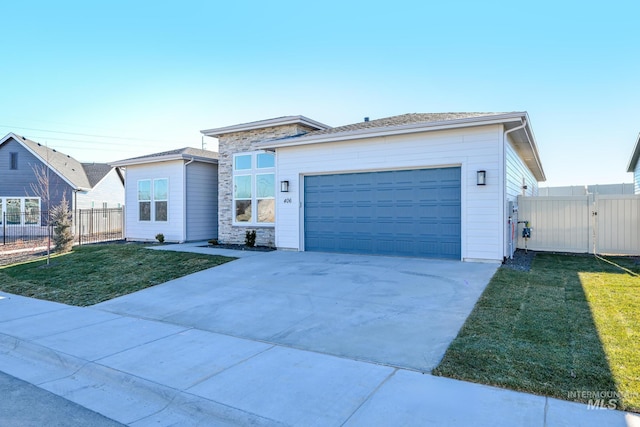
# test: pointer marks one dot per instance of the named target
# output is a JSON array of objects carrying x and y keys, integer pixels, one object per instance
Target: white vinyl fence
[{"x": 604, "y": 224}]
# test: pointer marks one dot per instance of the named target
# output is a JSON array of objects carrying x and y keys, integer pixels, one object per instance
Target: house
[
  {"x": 85, "y": 185},
  {"x": 634, "y": 167},
  {"x": 174, "y": 193},
  {"x": 428, "y": 185}
]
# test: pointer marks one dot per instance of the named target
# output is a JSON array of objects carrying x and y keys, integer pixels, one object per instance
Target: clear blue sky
[{"x": 148, "y": 76}]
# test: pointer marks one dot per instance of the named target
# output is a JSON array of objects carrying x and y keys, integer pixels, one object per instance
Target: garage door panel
[{"x": 409, "y": 212}]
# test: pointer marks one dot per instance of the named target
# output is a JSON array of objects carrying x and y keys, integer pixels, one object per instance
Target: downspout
[
  {"x": 505, "y": 141},
  {"x": 184, "y": 200}
]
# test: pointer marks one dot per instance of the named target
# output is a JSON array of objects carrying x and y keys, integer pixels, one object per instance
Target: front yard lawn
[
  {"x": 569, "y": 328},
  {"x": 95, "y": 273}
]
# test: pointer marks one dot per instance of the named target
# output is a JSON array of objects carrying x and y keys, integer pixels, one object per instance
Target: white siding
[
  {"x": 518, "y": 173},
  {"x": 472, "y": 149},
  {"x": 173, "y": 228},
  {"x": 636, "y": 178},
  {"x": 202, "y": 201},
  {"x": 109, "y": 190}
]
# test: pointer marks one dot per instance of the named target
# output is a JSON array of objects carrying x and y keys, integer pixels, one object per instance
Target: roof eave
[
  {"x": 39, "y": 157},
  {"x": 159, "y": 159},
  {"x": 392, "y": 130},
  {"x": 279, "y": 121},
  {"x": 633, "y": 161}
]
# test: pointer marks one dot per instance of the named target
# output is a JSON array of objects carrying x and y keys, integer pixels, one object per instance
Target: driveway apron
[{"x": 401, "y": 312}]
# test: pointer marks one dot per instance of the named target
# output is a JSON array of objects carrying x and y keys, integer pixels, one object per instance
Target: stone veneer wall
[{"x": 228, "y": 145}]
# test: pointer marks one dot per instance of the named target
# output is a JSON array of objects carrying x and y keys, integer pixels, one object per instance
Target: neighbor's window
[
  {"x": 13, "y": 211},
  {"x": 160, "y": 198},
  {"x": 31, "y": 211},
  {"x": 254, "y": 188},
  {"x": 14, "y": 161},
  {"x": 144, "y": 200}
]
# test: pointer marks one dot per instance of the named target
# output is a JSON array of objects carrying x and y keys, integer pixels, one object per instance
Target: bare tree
[{"x": 41, "y": 187}]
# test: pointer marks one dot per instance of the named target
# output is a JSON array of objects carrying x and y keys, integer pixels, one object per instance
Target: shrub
[
  {"x": 250, "y": 238},
  {"x": 160, "y": 237},
  {"x": 213, "y": 242},
  {"x": 61, "y": 219}
]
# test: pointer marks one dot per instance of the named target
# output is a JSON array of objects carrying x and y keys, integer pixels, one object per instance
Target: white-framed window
[
  {"x": 254, "y": 188},
  {"x": 20, "y": 210},
  {"x": 160, "y": 199},
  {"x": 153, "y": 199}
]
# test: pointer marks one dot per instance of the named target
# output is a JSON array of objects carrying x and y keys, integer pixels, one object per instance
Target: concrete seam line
[
  {"x": 546, "y": 410},
  {"x": 370, "y": 395}
]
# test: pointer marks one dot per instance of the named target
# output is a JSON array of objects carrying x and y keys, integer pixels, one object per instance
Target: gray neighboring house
[
  {"x": 86, "y": 185},
  {"x": 174, "y": 193},
  {"x": 441, "y": 185},
  {"x": 634, "y": 166}
]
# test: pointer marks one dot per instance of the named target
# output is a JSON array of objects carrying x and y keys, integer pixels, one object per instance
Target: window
[
  {"x": 144, "y": 200},
  {"x": 31, "y": 211},
  {"x": 156, "y": 195},
  {"x": 160, "y": 198},
  {"x": 14, "y": 161},
  {"x": 20, "y": 210},
  {"x": 254, "y": 189}
]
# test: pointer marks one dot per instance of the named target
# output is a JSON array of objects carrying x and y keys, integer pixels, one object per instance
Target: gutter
[
  {"x": 504, "y": 179},
  {"x": 184, "y": 199}
]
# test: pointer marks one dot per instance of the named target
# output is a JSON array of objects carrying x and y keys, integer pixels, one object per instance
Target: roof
[
  {"x": 517, "y": 124},
  {"x": 403, "y": 119},
  {"x": 96, "y": 171},
  {"x": 261, "y": 124},
  {"x": 186, "y": 153},
  {"x": 68, "y": 168},
  {"x": 633, "y": 161}
]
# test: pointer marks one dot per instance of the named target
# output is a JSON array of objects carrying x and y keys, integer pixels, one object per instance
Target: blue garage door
[{"x": 407, "y": 212}]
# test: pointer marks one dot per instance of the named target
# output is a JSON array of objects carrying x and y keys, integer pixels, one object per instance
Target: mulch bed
[
  {"x": 521, "y": 260},
  {"x": 241, "y": 247}
]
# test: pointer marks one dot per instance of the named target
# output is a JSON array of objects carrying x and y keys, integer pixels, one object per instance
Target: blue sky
[{"x": 104, "y": 81}]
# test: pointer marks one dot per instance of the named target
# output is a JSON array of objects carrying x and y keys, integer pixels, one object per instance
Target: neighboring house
[
  {"x": 174, "y": 193},
  {"x": 83, "y": 184},
  {"x": 428, "y": 185},
  {"x": 634, "y": 166}
]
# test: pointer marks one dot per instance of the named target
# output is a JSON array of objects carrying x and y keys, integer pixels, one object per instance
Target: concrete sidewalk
[{"x": 142, "y": 372}]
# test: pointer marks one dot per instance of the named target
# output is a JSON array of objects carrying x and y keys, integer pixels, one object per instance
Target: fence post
[{"x": 4, "y": 228}]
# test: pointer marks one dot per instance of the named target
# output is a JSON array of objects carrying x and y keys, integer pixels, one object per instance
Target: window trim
[
  {"x": 22, "y": 211},
  {"x": 153, "y": 197},
  {"x": 152, "y": 200},
  {"x": 13, "y": 161},
  {"x": 253, "y": 172},
  {"x": 146, "y": 201}
]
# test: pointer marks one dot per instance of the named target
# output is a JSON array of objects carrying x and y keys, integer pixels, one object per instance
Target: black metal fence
[{"x": 21, "y": 230}]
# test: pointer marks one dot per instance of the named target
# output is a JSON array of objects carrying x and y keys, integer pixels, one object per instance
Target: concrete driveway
[{"x": 401, "y": 312}]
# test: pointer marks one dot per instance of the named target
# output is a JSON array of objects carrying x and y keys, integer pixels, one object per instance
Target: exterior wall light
[
  {"x": 481, "y": 178},
  {"x": 284, "y": 186}
]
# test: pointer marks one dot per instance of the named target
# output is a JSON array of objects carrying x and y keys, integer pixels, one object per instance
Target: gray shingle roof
[
  {"x": 185, "y": 152},
  {"x": 403, "y": 119},
  {"x": 63, "y": 164},
  {"x": 96, "y": 171}
]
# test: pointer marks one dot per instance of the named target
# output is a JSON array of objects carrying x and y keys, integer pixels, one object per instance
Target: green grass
[
  {"x": 95, "y": 273},
  {"x": 570, "y": 325}
]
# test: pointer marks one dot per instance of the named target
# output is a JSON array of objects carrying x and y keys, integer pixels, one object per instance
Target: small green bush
[
  {"x": 160, "y": 237},
  {"x": 213, "y": 242}
]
